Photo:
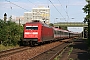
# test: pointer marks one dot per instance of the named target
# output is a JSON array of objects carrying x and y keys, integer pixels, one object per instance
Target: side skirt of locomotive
[{"x": 30, "y": 42}]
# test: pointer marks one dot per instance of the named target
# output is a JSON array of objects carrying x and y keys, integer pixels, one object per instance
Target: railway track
[
  {"x": 51, "y": 53},
  {"x": 12, "y": 51},
  {"x": 32, "y": 52}
]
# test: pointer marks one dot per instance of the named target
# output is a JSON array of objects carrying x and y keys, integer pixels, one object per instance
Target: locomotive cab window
[{"x": 31, "y": 27}]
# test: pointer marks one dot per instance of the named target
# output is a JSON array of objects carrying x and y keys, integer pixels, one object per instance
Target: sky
[{"x": 64, "y": 10}]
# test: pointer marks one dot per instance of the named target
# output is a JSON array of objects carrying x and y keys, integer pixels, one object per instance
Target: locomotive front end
[{"x": 30, "y": 34}]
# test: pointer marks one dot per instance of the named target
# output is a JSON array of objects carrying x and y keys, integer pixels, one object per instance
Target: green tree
[
  {"x": 51, "y": 24},
  {"x": 86, "y": 10},
  {"x": 64, "y": 27},
  {"x": 87, "y": 18}
]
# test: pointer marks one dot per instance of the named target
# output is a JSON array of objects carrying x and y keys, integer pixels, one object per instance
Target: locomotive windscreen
[{"x": 31, "y": 27}]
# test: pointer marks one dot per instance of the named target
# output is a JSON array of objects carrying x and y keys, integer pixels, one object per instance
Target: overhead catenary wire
[
  {"x": 36, "y": 5},
  {"x": 64, "y": 9},
  {"x": 32, "y": 3},
  {"x": 56, "y": 8},
  {"x": 16, "y": 5}
]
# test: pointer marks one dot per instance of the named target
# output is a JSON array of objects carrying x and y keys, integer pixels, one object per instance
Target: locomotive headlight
[
  {"x": 27, "y": 33},
  {"x": 35, "y": 33}
]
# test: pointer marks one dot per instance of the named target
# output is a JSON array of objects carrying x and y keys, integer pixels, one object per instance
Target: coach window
[
  {"x": 54, "y": 32},
  {"x": 59, "y": 32},
  {"x": 62, "y": 33}
]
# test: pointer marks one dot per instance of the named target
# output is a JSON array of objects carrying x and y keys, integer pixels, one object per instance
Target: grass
[
  {"x": 70, "y": 51},
  {"x": 2, "y": 47},
  {"x": 70, "y": 58},
  {"x": 60, "y": 55}
]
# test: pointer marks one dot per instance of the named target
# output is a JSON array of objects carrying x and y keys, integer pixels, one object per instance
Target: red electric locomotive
[{"x": 37, "y": 32}]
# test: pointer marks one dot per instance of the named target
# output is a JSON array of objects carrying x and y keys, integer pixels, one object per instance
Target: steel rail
[{"x": 12, "y": 51}]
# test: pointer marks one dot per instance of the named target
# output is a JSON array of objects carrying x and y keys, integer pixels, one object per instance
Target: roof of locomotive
[{"x": 38, "y": 22}]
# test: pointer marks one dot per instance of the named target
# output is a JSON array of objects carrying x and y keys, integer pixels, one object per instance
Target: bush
[{"x": 10, "y": 33}]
